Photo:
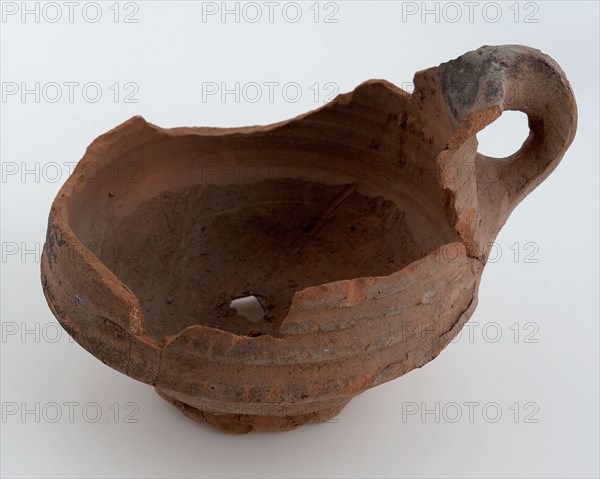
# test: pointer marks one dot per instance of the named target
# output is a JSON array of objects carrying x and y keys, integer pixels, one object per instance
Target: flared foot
[{"x": 233, "y": 423}]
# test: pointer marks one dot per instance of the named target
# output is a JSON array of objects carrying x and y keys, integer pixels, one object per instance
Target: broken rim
[{"x": 379, "y": 162}]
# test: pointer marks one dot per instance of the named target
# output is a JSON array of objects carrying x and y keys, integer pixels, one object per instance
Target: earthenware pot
[{"x": 362, "y": 228}]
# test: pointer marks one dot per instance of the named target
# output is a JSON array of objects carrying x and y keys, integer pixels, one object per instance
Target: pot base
[{"x": 232, "y": 423}]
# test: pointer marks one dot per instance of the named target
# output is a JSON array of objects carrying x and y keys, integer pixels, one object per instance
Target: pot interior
[
  {"x": 209, "y": 220},
  {"x": 187, "y": 254}
]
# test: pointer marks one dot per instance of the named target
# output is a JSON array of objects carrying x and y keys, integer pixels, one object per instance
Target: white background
[{"x": 169, "y": 53}]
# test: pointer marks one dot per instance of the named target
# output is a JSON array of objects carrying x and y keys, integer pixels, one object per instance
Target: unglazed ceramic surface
[{"x": 362, "y": 228}]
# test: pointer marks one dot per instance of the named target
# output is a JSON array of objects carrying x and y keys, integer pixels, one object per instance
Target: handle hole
[{"x": 504, "y": 136}]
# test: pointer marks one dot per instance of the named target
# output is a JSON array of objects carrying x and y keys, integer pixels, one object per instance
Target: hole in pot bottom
[
  {"x": 249, "y": 307},
  {"x": 187, "y": 253}
]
